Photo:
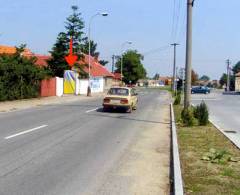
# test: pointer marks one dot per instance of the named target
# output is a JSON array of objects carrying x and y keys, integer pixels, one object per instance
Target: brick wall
[{"x": 48, "y": 87}]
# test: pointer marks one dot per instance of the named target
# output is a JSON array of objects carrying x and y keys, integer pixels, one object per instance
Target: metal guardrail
[{"x": 177, "y": 175}]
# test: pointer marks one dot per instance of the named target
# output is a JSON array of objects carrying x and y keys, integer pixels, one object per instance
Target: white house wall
[{"x": 59, "y": 86}]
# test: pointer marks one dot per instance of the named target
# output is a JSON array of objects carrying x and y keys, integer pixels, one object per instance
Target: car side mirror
[{"x": 136, "y": 93}]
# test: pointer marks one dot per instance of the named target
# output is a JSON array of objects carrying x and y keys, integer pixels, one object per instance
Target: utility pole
[
  {"x": 188, "y": 65},
  {"x": 113, "y": 63},
  {"x": 228, "y": 75},
  {"x": 174, "y": 68}
]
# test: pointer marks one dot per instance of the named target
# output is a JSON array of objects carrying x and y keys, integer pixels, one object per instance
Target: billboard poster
[
  {"x": 96, "y": 84},
  {"x": 69, "y": 83}
]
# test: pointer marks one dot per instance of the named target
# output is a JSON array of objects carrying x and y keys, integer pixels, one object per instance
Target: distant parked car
[{"x": 200, "y": 89}]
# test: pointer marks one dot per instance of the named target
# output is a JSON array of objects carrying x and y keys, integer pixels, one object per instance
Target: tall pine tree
[
  {"x": 74, "y": 28},
  {"x": 93, "y": 50}
]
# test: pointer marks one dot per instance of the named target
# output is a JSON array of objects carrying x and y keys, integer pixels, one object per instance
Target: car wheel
[
  {"x": 129, "y": 110},
  {"x": 104, "y": 109}
]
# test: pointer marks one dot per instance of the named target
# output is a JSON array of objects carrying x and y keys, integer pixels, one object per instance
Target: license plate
[{"x": 115, "y": 101}]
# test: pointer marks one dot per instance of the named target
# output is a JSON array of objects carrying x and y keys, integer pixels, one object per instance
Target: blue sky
[{"x": 151, "y": 25}]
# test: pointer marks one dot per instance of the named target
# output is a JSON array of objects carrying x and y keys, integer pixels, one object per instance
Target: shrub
[
  {"x": 201, "y": 113},
  {"x": 188, "y": 117},
  {"x": 19, "y": 76},
  {"x": 177, "y": 100}
]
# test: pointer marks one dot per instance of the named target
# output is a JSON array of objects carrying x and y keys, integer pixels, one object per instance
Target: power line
[
  {"x": 182, "y": 22},
  {"x": 173, "y": 18},
  {"x": 178, "y": 11},
  {"x": 163, "y": 48}
]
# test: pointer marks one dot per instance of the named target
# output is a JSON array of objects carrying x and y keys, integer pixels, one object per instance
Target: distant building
[
  {"x": 97, "y": 70},
  {"x": 162, "y": 81},
  {"x": 165, "y": 80},
  {"x": 237, "y": 82}
]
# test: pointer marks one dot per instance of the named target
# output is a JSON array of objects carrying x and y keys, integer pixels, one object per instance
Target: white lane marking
[
  {"x": 24, "y": 132},
  {"x": 92, "y": 110}
]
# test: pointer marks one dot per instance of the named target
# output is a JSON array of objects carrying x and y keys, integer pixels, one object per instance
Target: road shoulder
[
  {"x": 144, "y": 168},
  {"x": 11, "y": 106}
]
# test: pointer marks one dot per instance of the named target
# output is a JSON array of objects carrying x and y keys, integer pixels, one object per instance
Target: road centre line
[
  {"x": 24, "y": 132},
  {"x": 92, "y": 110}
]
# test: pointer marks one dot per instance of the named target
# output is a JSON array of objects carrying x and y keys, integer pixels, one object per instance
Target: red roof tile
[
  {"x": 117, "y": 76},
  {"x": 96, "y": 68},
  {"x": 42, "y": 60}
]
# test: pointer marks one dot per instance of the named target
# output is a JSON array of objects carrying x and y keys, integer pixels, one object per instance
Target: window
[{"x": 118, "y": 91}]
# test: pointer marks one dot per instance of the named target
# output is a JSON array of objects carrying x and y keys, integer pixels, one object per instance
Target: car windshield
[{"x": 118, "y": 91}]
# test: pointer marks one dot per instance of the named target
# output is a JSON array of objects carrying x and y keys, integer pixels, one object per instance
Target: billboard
[{"x": 69, "y": 83}]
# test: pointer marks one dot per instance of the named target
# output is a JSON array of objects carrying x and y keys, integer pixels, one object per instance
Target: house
[
  {"x": 165, "y": 80},
  {"x": 101, "y": 78},
  {"x": 116, "y": 79},
  {"x": 237, "y": 82},
  {"x": 41, "y": 60},
  {"x": 97, "y": 70}
]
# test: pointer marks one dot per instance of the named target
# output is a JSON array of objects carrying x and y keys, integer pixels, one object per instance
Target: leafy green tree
[
  {"x": 204, "y": 78},
  {"x": 74, "y": 28},
  {"x": 223, "y": 81},
  {"x": 156, "y": 76},
  {"x": 19, "y": 76},
  {"x": 236, "y": 68},
  {"x": 133, "y": 69},
  {"x": 194, "y": 77}
]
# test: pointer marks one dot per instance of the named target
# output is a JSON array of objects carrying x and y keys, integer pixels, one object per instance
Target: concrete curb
[
  {"x": 231, "y": 93},
  {"x": 177, "y": 174},
  {"x": 225, "y": 134}
]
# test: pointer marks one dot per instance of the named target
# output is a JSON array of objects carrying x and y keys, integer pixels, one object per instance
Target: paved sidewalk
[{"x": 10, "y": 106}]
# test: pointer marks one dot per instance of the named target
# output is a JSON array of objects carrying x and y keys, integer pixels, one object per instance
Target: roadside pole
[
  {"x": 113, "y": 62},
  {"x": 228, "y": 75},
  {"x": 174, "y": 68},
  {"x": 188, "y": 65}
]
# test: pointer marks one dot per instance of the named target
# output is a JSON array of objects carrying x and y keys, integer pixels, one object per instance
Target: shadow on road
[{"x": 124, "y": 117}]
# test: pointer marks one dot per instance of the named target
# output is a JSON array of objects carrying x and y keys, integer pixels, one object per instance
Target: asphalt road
[
  {"x": 68, "y": 149},
  {"x": 224, "y": 112}
]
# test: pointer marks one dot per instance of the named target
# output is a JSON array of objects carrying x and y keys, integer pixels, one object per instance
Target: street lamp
[
  {"x": 122, "y": 47},
  {"x": 89, "y": 49}
]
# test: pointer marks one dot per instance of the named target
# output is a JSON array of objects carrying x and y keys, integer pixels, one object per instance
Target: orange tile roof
[
  {"x": 41, "y": 59},
  {"x": 11, "y": 50},
  {"x": 7, "y": 50}
]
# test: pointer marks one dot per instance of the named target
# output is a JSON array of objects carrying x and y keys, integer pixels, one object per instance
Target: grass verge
[{"x": 206, "y": 177}]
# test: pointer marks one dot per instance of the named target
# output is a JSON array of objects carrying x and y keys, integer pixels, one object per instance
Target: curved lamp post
[
  {"x": 122, "y": 47},
  {"x": 89, "y": 49}
]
